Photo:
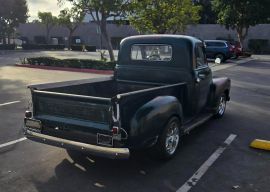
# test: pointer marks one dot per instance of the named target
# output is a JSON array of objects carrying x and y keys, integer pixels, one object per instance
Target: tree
[
  {"x": 100, "y": 11},
  {"x": 163, "y": 16},
  {"x": 12, "y": 13},
  {"x": 208, "y": 16},
  {"x": 71, "y": 19},
  {"x": 49, "y": 21},
  {"x": 241, "y": 14}
]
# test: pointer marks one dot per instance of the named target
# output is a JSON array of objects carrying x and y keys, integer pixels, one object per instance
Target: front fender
[{"x": 150, "y": 119}]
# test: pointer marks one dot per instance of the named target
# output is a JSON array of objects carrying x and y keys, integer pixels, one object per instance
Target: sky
[{"x": 35, "y": 6}]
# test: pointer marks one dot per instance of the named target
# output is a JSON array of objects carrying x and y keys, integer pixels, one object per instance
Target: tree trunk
[
  {"x": 242, "y": 34},
  {"x": 69, "y": 40},
  {"x": 108, "y": 39},
  {"x": 8, "y": 38},
  {"x": 48, "y": 35},
  {"x": 4, "y": 40}
]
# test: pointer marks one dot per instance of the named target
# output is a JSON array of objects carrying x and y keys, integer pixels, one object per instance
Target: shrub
[
  {"x": 91, "y": 48},
  {"x": 77, "y": 47},
  {"x": 258, "y": 46},
  {"x": 73, "y": 63},
  {"x": 8, "y": 47},
  {"x": 42, "y": 46}
]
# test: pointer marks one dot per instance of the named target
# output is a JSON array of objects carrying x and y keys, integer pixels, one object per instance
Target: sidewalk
[{"x": 261, "y": 57}]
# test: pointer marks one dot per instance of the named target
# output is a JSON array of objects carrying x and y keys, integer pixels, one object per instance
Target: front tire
[
  {"x": 221, "y": 106},
  {"x": 169, "y": 140}
]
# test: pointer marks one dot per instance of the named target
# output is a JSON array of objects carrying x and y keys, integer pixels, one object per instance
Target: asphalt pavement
[{"x": 33, "y": 167}]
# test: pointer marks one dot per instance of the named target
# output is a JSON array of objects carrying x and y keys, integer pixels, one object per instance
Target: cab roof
[{"x": 161, "y": 37}]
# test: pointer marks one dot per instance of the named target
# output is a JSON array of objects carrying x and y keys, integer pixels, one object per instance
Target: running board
[{"x": 187, "y": 128}]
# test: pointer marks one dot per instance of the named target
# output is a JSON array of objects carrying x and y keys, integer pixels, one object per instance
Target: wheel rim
[
  {"x": 172, "y": 138},
  {"x": 220, "y": 56},
  {"x": 222, "y": 105}
]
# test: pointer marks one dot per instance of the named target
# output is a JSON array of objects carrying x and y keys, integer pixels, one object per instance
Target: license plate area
[
  {"x": 105, "y": 140},
  {"x": 33, "y": 124}
]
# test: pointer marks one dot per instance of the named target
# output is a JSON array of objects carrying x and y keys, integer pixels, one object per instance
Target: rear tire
[
  {"x": 220, "y": 106},
  {"x": 221, "y": 57},
  {"x": 169, "y": 140}
]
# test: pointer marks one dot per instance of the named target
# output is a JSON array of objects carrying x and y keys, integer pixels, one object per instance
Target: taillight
[
  {"x": 28, "y": 114},
  {"x": 115, "y": 130}
]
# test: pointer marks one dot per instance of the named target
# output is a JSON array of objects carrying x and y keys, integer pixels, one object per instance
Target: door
[
  {"x": 210, "y": 50},
  {"x": 203, "y": 77}
]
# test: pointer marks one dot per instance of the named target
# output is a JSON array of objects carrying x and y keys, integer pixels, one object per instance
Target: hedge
[
  {"x": 8, "y": 47},
  {"x": 42, "y": 46},
  {"x": 259, "y": 46},
  {"x": 77, "y": 47},
  {"x": 72, "y": 63}
]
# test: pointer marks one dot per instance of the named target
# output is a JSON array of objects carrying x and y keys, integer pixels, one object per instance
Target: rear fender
[
  {"x": 150, "y": 119},
  {"x": 220, "y": 86}
]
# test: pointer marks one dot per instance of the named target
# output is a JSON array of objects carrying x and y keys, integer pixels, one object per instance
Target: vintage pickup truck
[{"x": 162, "y": 88}]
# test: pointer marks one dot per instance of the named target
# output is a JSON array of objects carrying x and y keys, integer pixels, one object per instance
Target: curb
[
  {"x": 102, "y": 72},
  {"x": 260, "y": 144}
]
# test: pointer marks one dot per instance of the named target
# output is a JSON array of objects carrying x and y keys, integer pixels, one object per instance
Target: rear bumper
[{"x": 108, "y": 152}]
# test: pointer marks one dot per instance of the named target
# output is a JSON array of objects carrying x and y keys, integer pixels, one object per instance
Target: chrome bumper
[{"x": 108, "y": 152}]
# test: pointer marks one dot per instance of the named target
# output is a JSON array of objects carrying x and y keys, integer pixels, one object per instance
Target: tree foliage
[
  {"x": 47, "y": 19},
  {"x": 241, "y": 14},
  {"x": 71, "y": 19},
  {"x": 163, "y": 16},
  {"x": 208, "y": 16},
  {"x": 12, "y": 13},
  {"x": 100, "y": 11}
]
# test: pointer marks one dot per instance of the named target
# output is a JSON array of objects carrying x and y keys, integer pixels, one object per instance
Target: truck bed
[
  {"x": 105, "y": 88},
  {"x": 77, "y": 110}
]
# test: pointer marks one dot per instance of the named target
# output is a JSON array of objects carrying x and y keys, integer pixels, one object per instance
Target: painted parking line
[
  {"x": 193, "y": 180},
  {"x": 9, "y": 103},
  {"x": 12, "y": 142}
]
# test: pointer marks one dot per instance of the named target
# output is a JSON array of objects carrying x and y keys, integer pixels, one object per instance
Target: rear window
[
  {"x": 215, "y": 44},
  {"x": 151, "y": 52}
]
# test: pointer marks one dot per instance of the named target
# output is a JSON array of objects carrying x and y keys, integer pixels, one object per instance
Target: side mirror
[{"x": 217, "y": 61}]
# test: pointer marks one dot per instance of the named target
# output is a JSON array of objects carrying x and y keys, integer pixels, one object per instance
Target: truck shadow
[{"x": 140, "y": 173}]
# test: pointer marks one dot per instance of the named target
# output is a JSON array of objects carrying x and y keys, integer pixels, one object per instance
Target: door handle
[{"x": 201, "y": 76}]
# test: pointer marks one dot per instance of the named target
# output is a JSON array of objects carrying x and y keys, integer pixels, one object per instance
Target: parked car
[
  {"x": 237, "y": 49},
  {"x": 161, "y": 90},
  {"x": 218, "y": 49}
]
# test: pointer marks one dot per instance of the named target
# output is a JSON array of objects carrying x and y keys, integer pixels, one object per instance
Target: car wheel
[
  {"x": 169, "y": 140},
  {"x": 220, "y": 56},
  {"x": 221, "y": 107},
  {"x": 234, "y": 56}
]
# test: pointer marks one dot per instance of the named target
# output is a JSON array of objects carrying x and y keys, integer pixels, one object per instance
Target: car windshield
[{"x": 151, "y": 52}]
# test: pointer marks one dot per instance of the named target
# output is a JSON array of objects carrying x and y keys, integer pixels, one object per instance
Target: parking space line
[
  {"x": 12, "y": 142},
  {"x": 193, "y": 180},
  {"x": 9, "y": 103}
]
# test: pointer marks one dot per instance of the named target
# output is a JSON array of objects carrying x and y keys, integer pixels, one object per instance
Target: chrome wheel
[
  {"x": 172, "y": 138},
  {"x": 220, "y": 56},
  {"x": 221, "y": 107}
]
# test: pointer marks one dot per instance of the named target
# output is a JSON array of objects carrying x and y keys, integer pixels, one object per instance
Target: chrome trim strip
[{"x": 109, "y": 152}]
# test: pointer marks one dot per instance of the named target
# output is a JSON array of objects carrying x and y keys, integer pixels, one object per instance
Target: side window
[
  {"x": 200, "y": 57},
  {"x": 209, "y": 44},
  {"x": 220, "y": 44}
]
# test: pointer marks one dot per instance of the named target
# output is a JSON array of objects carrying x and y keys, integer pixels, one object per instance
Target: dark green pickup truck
[{"x": 162, "y": 89}]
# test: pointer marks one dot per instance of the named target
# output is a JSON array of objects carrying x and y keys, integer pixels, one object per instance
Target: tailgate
[{"x": 72, "y": 112}]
